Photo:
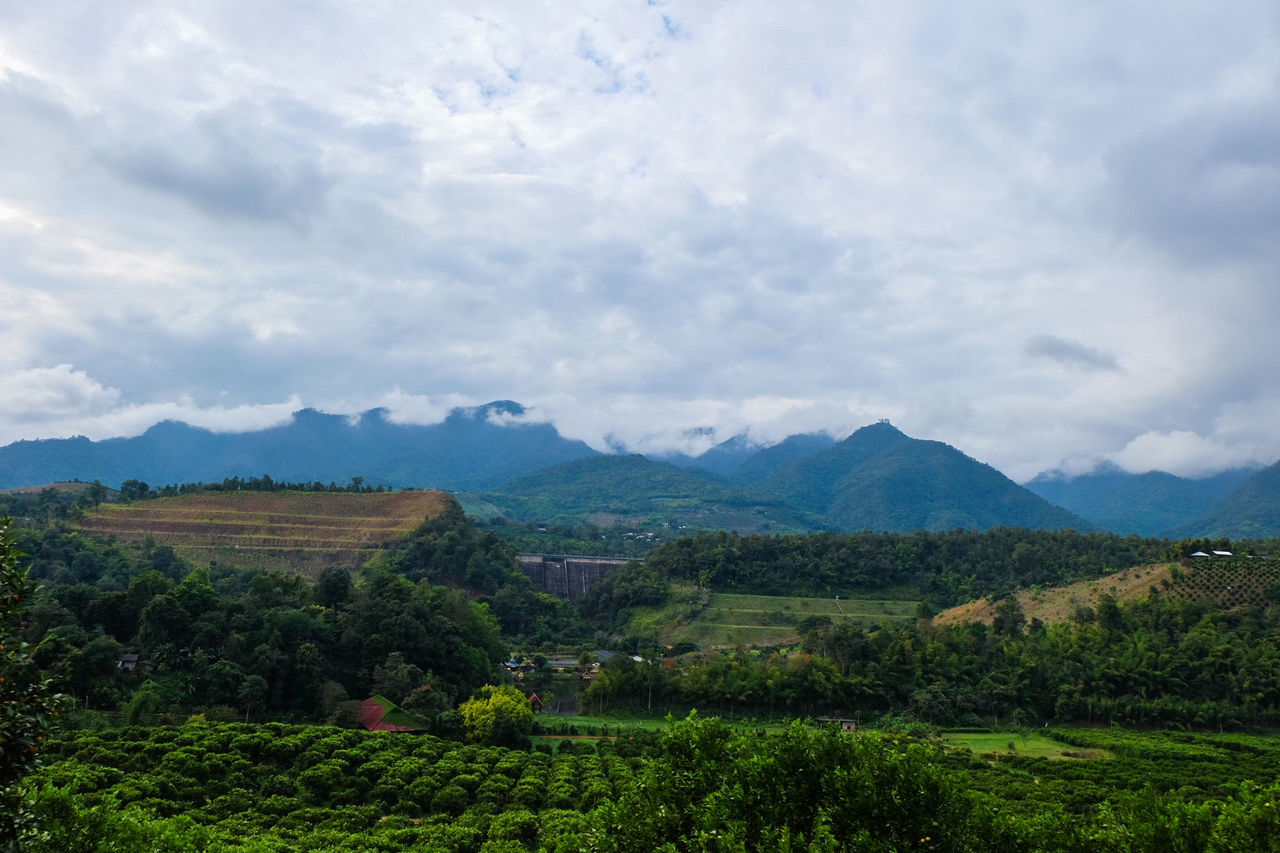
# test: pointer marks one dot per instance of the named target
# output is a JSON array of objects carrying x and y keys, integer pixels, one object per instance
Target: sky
[{"x": 1046, "y": 234}]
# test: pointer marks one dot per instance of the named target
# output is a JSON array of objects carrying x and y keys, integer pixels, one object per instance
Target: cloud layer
[{"x": 1042, "y": 235}]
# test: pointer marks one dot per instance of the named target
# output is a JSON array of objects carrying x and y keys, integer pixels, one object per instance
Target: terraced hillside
[
  {"x": 305, "y": 532},
  {"x": 733, "y": 619}
]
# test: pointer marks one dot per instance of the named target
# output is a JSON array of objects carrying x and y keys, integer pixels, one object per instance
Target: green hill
[
  {"x": 635, "y": 491},
  {"x": 1148, "y": 504},
  {"x": 880, "y": 479},
  {"x": 1250, "y": 511}
]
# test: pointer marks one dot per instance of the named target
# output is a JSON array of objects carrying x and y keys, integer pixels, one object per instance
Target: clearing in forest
[
  {"x": 304, "y": 532},
  {"x": 1029, "y": 744}
]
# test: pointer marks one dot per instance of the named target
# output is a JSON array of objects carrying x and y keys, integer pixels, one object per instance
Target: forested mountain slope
[
  {"x": 633, "y": 490},
  {"x": 1148, "y": 504},
  {"x": 879, "y": 479},
  {"x": 1251, "y": 510}
]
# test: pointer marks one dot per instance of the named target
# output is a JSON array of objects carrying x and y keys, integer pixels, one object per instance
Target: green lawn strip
[
  {"x": 591, "y": 724},
  {"x": 1031, "y": 745},
  {"x": 799, "y": 605}
]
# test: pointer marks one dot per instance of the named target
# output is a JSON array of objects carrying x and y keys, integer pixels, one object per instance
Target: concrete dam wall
[{"x": 568, "y": 577}]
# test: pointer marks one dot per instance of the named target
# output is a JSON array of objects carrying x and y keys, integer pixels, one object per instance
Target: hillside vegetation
[
  {"x": 1147, "y": 504},
  {"x": 880, "y": 479},
  {"x": 1225, "y": 583},
  {"x": 632, "y": 491},
  {"x": 726, "y": 620},
  {"x": 305, "y": 531}
]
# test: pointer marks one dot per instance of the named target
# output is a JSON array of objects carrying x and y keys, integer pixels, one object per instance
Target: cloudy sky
[{"x": 1048, "y": 234}]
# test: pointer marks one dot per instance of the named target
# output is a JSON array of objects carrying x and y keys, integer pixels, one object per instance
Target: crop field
[
  {"x": 1230, "y": 582},
  {"x": 305, "y": 532},
  {"x": 1028, "y": 745},
  {"x": 736, "y": 619}
]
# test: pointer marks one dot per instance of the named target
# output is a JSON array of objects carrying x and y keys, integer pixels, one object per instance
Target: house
[
  {"x": 127, "y": 663},
  {"x": 535, "y": 703},
  {"x": 846, "y": 725}
]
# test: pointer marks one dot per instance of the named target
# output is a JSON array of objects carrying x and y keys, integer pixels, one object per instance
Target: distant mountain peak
[
  {"x": 881, "y": 479},
  {"x": 502, "y": 407}
]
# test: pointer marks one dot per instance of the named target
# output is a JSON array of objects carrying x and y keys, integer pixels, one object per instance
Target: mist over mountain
[{"x": 1149, "y": 504}]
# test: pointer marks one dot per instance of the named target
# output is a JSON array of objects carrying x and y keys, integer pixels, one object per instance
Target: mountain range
[
  {"x": 1149, "y": 504},
  {"x": 875, "y": 479}
]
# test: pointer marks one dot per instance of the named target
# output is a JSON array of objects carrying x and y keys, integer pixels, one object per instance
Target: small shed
[
  {"x": 846, "y": 724},
  {"x": 535, "y": 703}
]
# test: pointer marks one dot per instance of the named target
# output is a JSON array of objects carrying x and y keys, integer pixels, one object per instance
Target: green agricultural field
[
  {"x": 735, "y": 619},
  {"x": 1029, "y": 745}
]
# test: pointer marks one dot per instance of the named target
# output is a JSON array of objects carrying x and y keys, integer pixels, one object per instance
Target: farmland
[
  {"x": 738, "y": 619},
  {"x": 279, "y": 787},
  {"x": 1028, "y": 744},
  {"x": 303, "y": 531}
]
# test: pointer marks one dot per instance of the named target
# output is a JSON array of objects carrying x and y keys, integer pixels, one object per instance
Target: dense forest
[
  {"x": 219, "y": 636},
  {"x": 945, "y": 568},
  {"x": 1159, "y": 661},
  {"x": 426, "y": 623}
]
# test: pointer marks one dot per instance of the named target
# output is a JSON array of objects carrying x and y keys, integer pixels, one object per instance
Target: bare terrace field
[{"x": 304, "y": 532}]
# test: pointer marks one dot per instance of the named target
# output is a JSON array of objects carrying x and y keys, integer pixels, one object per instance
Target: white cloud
[
  {"x": 1039, "y": 234},
  {"x": 58, "y": 392},
  {"x": 71, "y": 402},
  {"x": 1181, "y": 452}
]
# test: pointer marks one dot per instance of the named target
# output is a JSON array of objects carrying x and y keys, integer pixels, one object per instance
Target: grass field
[
  {"x": 1030, "y": 745},
  {"x": 736, "y": 619},
  {"x": 305, "y": 532}
]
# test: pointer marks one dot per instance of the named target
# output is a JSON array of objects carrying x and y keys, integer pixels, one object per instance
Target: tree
[
  {"x": 499, "y": 716},
  {"x": 253, "y": 694},
  {"x": 134, "y": 490},
  {"x": 1009, "y": 620},
  {"x": 28, "y": 701},
  {"x": 800, "y": 789}
]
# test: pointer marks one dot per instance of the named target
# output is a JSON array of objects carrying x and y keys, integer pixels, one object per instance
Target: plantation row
[
  {"x": 299, "y": 785},
  {"x": 700, "y": 785},
  {"x": 1230, "y": 582}
]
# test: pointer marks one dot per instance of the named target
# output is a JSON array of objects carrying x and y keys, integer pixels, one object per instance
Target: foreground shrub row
[{"x": 706, "y": 786}]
